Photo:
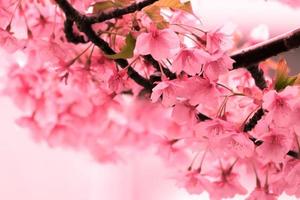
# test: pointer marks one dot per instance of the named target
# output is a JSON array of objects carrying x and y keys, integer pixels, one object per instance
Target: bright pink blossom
[{"x": 161, "y": 44}]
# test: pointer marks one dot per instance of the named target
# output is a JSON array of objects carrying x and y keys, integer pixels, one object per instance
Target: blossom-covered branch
[
  {"x": 155, "y": 80},
  {"x": 83, "y": 24}
]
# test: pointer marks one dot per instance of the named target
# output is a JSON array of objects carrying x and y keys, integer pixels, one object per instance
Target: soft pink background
[{"x": 30, "y": 171}]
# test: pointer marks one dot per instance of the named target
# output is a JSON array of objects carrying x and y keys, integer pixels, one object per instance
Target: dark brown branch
[
  {"x": 249, "y": 57},
  {"x": 70, "y": 35},
  {"x": 97, "y": 18},
  {"x": 253, "y": 121},
  {"x": 258, "y": 76},
  {"x": 264, "y": 50}
]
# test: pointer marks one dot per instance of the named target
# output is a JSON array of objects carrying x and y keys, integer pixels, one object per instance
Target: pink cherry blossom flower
[
  {"x": 160, "y": 44},
  {"x": 219, "y": 65},
  {"x": 190, "y": 61},
  {"x": 280, "y": 105}
]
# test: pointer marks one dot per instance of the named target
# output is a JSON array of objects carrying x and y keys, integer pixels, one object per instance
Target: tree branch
[
  {"x": 258, "y": 76},
  {"x": 70, "y": 35},
  {"x": 253, "y": 121},
  {"x": 259, "y": 52},
  {"x": 101, "y": 17}
]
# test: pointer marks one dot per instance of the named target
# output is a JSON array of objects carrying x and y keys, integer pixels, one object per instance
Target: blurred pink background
[{"x": 31, "y": 171}]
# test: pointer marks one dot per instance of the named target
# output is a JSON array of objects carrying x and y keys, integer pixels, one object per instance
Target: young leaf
[
  {"x": 282, "y": 79},
  {"x": 127, "y": 50}
]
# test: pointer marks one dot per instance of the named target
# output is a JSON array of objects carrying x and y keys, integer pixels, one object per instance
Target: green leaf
[
  {"x": 282, "y": 79},
  {"x": 127, "y": 50}
]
